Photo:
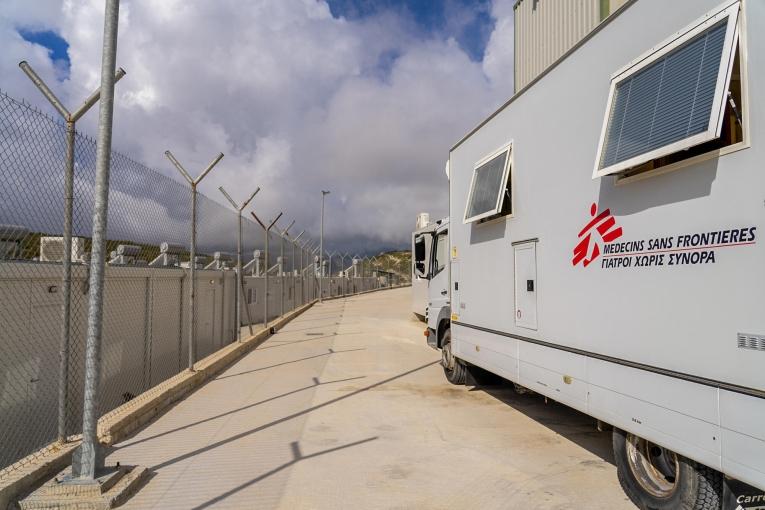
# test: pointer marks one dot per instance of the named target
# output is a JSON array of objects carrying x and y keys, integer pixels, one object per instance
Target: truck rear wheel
[
  {"x": 656, "y": 478},
  {"x": 454, "y": 368}
]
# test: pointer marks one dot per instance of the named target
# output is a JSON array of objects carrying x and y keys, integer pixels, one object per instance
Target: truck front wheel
[
  {"x": 454, "y": 368},
  {"x": 656, "y": 478}
]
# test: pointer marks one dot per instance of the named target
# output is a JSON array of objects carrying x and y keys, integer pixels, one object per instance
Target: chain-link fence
[{"x": 146, "y": 294}]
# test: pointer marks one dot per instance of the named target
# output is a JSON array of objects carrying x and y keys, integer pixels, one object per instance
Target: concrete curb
[{"x": 118, "y": 424}]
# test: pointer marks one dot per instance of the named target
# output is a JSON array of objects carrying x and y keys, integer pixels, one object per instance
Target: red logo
[{"x": 588, "y": 250}]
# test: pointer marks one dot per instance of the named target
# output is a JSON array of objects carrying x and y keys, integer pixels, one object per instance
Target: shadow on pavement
[
  {"x": 236, "y": 437},
  {"x": 297, "y": 456},
  {"x": 259, "y": 369},
  {"x": 221, "y": 415}
]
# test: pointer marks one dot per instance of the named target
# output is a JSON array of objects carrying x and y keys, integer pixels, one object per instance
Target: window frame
[
  {"x": 506, "y": 175},
  {"x": 425, "y": 274},
  {"x": 731, "y": 10},
  {"x": 434, "y": 250}
]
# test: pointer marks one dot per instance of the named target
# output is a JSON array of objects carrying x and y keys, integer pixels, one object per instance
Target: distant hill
[{"x": 395, "y": 261}]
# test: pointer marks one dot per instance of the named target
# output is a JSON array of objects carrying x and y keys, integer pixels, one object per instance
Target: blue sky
[
  {"x": 58, "y": 48},
  {"x": 467, "y": 21}
]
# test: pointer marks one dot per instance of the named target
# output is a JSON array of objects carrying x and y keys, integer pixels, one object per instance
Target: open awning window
[
  {"x": 488, "y": 186},
  {"x": 672, "y": 98}
]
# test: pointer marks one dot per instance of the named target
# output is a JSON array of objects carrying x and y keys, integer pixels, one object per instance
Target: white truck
[{"x": 604, "y": 244}]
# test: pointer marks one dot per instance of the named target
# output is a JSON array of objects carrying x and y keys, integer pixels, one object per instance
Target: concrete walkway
[{"x": 346, "y": 407}]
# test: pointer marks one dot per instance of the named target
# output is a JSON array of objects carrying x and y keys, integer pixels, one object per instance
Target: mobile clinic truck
[{"x": 605, "y": 244}]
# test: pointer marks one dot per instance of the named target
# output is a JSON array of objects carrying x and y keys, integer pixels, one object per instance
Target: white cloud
[
  {"x": 498, "y": 58},
  {"x": 294, "y": 97}
]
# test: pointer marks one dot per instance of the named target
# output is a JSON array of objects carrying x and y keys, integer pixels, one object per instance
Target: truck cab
[
  {"x": 422, "y": 238},
  {"x": 438, "y": 309}
]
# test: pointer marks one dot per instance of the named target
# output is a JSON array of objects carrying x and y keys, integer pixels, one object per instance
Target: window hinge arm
[{"x": 735, "y": 109}]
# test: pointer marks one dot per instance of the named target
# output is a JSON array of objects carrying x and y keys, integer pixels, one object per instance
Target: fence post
[
  {"x": 295, "y": 277},
  {"x": 266, "y": 230},
  {"x": 281, "y": 256},
  {"x": 193, "y": 248},
  {"x": 321, "y": 244},
  {"x": 239, "y": 296},
  {"x": 66, "y": 279},
  {"x": 89, "y": 459}
]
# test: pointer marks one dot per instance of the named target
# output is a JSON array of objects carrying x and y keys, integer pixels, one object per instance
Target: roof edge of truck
[{"x": 544, "y": 73}]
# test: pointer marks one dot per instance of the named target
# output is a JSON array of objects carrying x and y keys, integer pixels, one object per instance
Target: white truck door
[
  {"x": 526, "y": 285},
  {"x": 438, "y": 289}
]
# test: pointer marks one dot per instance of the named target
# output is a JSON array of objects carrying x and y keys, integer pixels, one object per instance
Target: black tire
[
  {"x": 681, "y": 484},
  {"x": 454, "y": 368}
]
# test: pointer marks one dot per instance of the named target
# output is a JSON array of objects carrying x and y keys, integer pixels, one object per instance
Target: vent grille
[{"x": 755, "y": 342}]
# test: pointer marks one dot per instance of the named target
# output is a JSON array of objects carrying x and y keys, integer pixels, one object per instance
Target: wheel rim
[
  {"x": 447, "y": 360},
  {"x": 655, "y": 468}
]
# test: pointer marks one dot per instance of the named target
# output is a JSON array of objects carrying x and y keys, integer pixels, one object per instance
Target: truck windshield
[{"x": 441, "y": 252}]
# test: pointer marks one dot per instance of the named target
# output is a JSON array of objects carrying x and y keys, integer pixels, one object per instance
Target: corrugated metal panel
[{"x": 546, "y": 29}]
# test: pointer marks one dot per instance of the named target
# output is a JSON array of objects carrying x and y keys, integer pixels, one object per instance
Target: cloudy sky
[{"x": 361, "y": 97}]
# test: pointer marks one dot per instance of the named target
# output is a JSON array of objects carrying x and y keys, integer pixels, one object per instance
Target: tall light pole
[
  {"x": 66, "y": 279},
  {"x": 321, "y": 242},
  {"x": 239, "y": 293}
]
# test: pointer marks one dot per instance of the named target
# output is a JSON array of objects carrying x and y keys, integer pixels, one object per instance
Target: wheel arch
[{"x": 444, "y": 323}]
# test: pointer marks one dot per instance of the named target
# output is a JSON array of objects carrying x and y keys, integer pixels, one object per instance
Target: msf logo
[{"x": 604, "y": 224}]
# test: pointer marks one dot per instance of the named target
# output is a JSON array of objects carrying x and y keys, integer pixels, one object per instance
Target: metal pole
[
  {"x": 281, "y": 256},
  {"x": 89, "y": 458},
  {"x": 66, "y": 307},
  {"x": 192, "y": 278},
  {"x": 295, "y": 277},
  {"x": 66, "y": 279},
  {"x": 239, "y": 295},
  {"x": 266, "y": 230},
  {"x": 321, "y": 247},
  {"x": 193, "y": 247},
  {"x": 239, "y": 290}
]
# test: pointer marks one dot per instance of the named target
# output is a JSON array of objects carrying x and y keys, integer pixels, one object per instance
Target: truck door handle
[{"x": 443, "y": 292}]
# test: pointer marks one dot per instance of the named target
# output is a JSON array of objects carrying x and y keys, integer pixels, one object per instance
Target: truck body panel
[{"x": 652, "y": 347}]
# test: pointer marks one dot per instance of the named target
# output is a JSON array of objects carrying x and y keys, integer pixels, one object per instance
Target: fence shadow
[
  {"x": 297, "y": 456},
  {"x": 308, "y": 410}
]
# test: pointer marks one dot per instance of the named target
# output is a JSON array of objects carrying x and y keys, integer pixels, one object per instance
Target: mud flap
[
  {"x": 738, "y": 495},
  {"x": 477, "y": 376}
]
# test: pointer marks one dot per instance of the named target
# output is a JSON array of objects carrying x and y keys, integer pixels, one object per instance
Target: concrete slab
[
  {"x": 346, "y": 407},
  {"x": 108, "y": 491}
]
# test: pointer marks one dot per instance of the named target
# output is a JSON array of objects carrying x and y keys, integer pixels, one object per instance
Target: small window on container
[
  {"x": 680, "y": 101},
  {"x": 490, "y": 188}
]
